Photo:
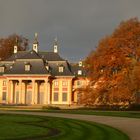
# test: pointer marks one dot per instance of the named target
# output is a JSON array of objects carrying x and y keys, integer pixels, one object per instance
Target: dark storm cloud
[{"x": 78, "y": 24}]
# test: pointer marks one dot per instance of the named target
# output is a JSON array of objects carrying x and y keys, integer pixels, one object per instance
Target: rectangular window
[
  {"x": 27, "y": 67},
  {"x": 1, "y": 69},
  {"x": 79, "y": 72},
  {"x": 61, "y": 69},
  {"x": 55, "y": 83},
  {"x": 4, "y": 96},
  {"x": 55, "y": 96},
  {"x": 4, "y": 83},
  {"x": 64, "y": 83},
  {"x": 64, "y": 96}
]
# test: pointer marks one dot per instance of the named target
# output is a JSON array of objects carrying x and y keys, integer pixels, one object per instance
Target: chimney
[
  {"x": 35, "y": 44},
  {"x": 15, "y": 47}
]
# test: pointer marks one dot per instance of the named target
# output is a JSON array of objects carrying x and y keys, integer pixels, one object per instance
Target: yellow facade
[{"x": 32, "y": 90}]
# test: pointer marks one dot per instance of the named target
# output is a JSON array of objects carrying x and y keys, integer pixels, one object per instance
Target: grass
[
  {"x": 129, "y": 114},
  {"x": 27, "y": 127},
  {"x": 85, "y": 111}
]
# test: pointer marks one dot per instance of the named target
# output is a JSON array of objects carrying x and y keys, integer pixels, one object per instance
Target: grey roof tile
[
  {"x": 51, "y": 56},
  {"x": 76, "y": 67},
  {"x": 37, "y": 67},
  {"x": 16, "y": 55},
  {"x": 30, "y": 55},
  {"x": 55, "y": 69}
]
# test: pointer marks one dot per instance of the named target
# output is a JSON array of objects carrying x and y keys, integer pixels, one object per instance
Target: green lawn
[
  {"x": 130, "y": 114},
  {"x": 23, "y": 127}
]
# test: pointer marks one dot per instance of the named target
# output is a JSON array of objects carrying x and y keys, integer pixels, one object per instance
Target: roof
[
  {"x": 54, "y": 68},
  {"x": 37, "y": 67},
  {"x": 51, "y": 56},
  {"x": 41, "y": 63},
  {"x": 75, "y": 68},
  {"x": 16, "y": 55},
  {"x": 30, "y": 55}
]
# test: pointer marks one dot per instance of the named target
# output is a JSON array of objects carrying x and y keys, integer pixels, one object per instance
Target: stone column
[
  {"x": 8, "y": 92},
  {"x": 45, "y": 92},
  {"x": 70, "y": 92},
  {"x": 20, "y": 91},
  {"x": 23, "y": 92},
  {"x": 33, "y": 92},
  {"x": 36, "y": 93},
  {"x": 15, "y": 90},
  {"x": 11, "y": 100},
  {"x": 48, "y": 93}
]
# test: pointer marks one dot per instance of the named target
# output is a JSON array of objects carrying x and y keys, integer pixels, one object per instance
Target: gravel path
[{"x": 130, "y": 126}]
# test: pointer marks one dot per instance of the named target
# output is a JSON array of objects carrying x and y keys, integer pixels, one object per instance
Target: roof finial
[
  {"x": 16, "y": 45},
  {"x": 80, "y": 63},
  {"x": 55, "y": 45},
  {"x": 16, "y": 41},
  {"x": 56, "y": 41},
  {"x": 36, "y": 35},
  {"x": 35, "y": 44}
]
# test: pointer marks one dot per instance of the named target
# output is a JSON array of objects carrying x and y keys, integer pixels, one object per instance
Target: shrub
[{"x": 50, "y": 108}]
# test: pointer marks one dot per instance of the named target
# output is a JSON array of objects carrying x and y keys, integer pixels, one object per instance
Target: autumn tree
[
  {"x": 7, "y": 45},
  {"x": 115, "y": 65}
]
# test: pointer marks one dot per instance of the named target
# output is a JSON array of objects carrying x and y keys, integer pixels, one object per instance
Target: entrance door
[
  {"x": 28, "y": 97},
  {"x": 17, "y": 97},
  {"x": 41, "y": 98}
]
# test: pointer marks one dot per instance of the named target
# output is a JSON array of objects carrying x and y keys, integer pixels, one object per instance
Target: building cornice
[
  {"x": 29, "y": 59},
  {"x": 64, "y": 76},
  {"x": 28, "y": 75}
]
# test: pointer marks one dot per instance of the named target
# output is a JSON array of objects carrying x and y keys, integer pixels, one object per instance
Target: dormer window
[
  {"x": 2, "y": 68},
  {"x": 47, "y": 67},
  {"x": 79, "y": 72},
  {"x": 61, "y": 68},
  {"x": 27, "y": 67},
  {"x": 80, "y": 63}
]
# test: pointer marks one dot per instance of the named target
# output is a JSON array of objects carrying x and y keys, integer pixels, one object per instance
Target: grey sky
[{"x": 78, "y": 24}]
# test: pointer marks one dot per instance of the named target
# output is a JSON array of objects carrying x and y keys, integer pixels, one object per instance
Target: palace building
[{"x": 36, "y": 77}]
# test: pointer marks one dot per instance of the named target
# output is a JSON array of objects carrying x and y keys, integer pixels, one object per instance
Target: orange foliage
[
  {"x": 117, "y": 61},
  {"x": 7, "y": 45}
]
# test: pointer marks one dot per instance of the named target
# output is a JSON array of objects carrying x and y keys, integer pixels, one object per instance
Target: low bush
[{"x": 50, "y": 108}]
